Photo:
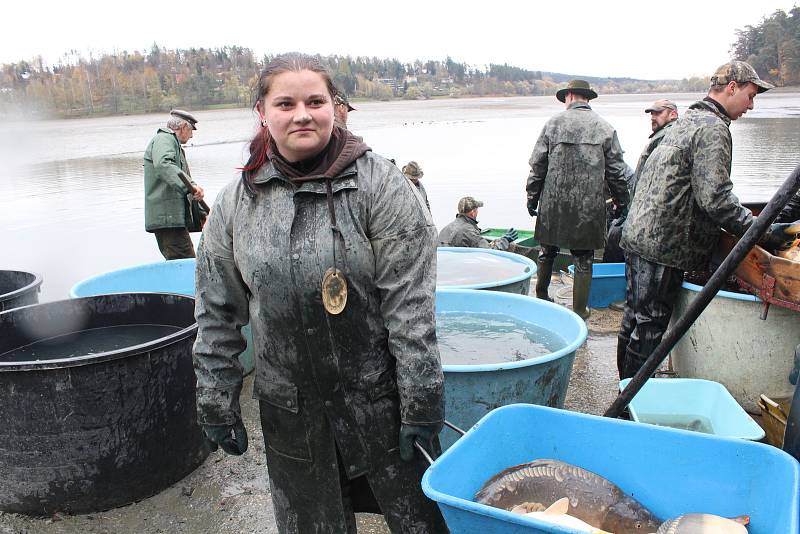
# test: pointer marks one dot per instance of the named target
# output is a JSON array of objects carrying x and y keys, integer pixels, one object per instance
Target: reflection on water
[
  {"x": 474, "y": 267},
  {"x": 467, "y": 338},
  {"x": 71, "y": 191}
]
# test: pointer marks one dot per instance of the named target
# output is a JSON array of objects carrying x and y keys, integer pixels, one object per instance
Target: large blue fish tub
[
  {"x": 669, "y": 471},
  {"x": 608, "y": 284},
  {"x": 471, "y": 391},
  {"x": 174, "y": 276},
  {"x": 482, "y": 268}
]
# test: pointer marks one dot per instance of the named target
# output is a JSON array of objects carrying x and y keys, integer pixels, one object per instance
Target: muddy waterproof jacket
[
  {"x": 653, "y": 141},
  {"x": 576, "y": 153},
  {"x": 464, "y": 232},
  {"x": 684, "y": 196},
  {"x": 165, "y": 203},
  {"x": 324, "y": 381},
  {"x": 790, "y": 212}
]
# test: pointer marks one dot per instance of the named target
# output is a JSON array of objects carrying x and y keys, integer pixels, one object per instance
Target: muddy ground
[{"x": 230, "y": 494}]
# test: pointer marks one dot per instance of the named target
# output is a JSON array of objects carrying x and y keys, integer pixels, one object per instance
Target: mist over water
[{"x": 71, "y": 191}]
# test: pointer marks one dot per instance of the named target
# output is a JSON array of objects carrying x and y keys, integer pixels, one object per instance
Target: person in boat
[
  {"x": 576, "y": 154},
  {"x": 329, "y": 252},
  {"x": 341, "y": 108},
  {"x": 413, "y": 172},
  {"x": 663, "y": 113},
  {"x": 166, "y": 209},
  {"x": 682, "y": 199},
  {"x": 464, "y": 231}
]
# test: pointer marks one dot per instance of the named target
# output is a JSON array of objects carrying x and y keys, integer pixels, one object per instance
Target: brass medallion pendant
[{"x": 334, "y": 291}]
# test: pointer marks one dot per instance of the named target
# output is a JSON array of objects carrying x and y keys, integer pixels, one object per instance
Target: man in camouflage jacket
[
  {"x": 683, "y": 196},
  {"x": 576, "y": 154}
]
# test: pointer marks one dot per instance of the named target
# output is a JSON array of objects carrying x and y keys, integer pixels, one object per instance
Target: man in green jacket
[
  {"x": 166, "y": 204},
  {"x": 683, "y": 197}
]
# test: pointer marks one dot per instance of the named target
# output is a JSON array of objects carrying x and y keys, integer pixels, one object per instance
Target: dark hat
[
  {"x": 186, "y": 116},
  {"x": 740, "y": 72},
  {"x": 661, "y": 105},
  {"x": 467, "y": 204},
  {"x": 580, "y": 87},
  {"x": 413, "y": 169},
  {"x": 341, "y": 99}
]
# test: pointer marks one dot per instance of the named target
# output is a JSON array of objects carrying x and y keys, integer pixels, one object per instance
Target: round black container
[
  {"x": 88, "y": 433},
  {"x": 18, "y": 288}
]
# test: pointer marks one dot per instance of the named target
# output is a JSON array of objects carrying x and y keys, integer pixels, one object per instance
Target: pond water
[{"x": 71, "y": 193}]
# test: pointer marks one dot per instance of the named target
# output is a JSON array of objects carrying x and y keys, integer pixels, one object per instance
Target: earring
[{"x": 263, "y": 123}]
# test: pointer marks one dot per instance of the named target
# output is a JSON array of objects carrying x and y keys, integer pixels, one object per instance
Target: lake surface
[{"x": 71, "y": 193}]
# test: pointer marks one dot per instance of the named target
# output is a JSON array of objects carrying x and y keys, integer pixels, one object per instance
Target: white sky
[{"x": 646, "y": 39}]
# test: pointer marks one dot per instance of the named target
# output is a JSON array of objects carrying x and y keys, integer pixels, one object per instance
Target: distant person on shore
[
  {"x": 166, "y": 208},
  {"x": 464, "y": 231},
  {"x": 413, "y": 172},
  {"x": 577, "y": 153},
  {"x": 341, "y": 108},
  {"x": 683, "y": 197},
  {"x": 663, "y": 114}
]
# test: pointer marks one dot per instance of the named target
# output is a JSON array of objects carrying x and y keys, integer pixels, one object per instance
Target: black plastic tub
[
  {"x": 18, "y": 288},
  {"x": 90, "y": 426}
]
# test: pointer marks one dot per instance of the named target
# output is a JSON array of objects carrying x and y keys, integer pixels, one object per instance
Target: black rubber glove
[
  {"x": 511, "y": 235},
  {"x": 620, "y": 211},
  {"x": 776, "y": 237},
  {"x": 532, "y": 203},
  {"x": 232, "y": 438},
  {"x": 796, "y": 369},
  {"x": 425, "y": 434}
]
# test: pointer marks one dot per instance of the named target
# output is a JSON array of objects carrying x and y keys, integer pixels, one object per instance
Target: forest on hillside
[
  {"x": 160, "y": 79},
  {"x": 772, "y": 47}
]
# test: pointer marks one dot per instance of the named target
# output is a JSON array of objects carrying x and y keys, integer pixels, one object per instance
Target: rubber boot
[
  {"x": 544, "y": 271},
  {"x": 580, "y": 293}
]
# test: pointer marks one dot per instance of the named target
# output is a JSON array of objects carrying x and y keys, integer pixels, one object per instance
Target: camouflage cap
[
  {"x": 661, "y": 105},
  {"x": 413, "y": 169},
  {"x": 467, "y": 204},
  {"x": 341, "y": 99},
  {"x": 185, "y": 115},
  {"x": 740, "y": 72}
]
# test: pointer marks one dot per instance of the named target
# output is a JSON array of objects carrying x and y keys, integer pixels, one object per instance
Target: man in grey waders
[
  {"x": 166, "y": 209},
  {"x": 683, "y": 197},
  {"x": 576, "y": 154}
]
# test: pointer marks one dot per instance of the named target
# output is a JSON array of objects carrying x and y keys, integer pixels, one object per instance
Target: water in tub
[
  {"x": 474, "y": 267},
  {"x": 469, "y": 338}
]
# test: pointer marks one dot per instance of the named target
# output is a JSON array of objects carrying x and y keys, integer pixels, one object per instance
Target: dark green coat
[
  {"x": 576, "y": 153},
  {"x": 684, "y": 193},
  {"x": 165, "y": 202},
  {"x": 323, "y": 380}
]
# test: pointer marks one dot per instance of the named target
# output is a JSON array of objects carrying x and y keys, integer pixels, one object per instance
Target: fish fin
[
  {"x": 741, "y": 519},
  {"x": 560, "y": 507}
]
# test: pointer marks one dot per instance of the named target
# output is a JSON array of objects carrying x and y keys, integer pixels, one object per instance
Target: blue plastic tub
[
  {"x": 475, "y": 270},
  {"x": 174, "y": 276},
  {"x": 608, "y": 284},
  {"x": 671, "y": 401},
  {"x": 471, "y": 391},
  {"x": 671, "y": 472}
]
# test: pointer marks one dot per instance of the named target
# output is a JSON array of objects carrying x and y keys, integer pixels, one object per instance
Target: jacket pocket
[
  {"x": 381, "y": 388},
  {"x": 284, "y": 426}
]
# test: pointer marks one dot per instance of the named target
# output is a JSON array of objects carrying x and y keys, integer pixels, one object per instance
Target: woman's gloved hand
[
  {"x": 776, "y": 238},
  {"x": 511, "y": 235},
  {"x": 232, "y": 438},
  {"x": 425, "y": 434}
]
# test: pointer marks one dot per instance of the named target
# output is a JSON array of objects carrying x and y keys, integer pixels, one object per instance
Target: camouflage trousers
[{"x": 650, "y": 293}]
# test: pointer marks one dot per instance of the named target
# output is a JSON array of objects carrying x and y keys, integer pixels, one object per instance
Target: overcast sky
[{"x": 646, "y": 39}]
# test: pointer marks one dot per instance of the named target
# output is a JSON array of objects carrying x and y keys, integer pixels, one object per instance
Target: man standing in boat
[
  {"x": 166, "y": 210},
  {"x": 576, "y": 154},
  {"x": 663, "y": 113},
  {"x": 683, "y": 197},
  {"x": 464, "y": 231}
]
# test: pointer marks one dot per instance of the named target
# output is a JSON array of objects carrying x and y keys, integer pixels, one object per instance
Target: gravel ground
[{"x": 231, "y": 495}]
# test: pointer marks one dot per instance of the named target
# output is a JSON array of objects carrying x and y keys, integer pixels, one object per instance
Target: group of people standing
[{"x": 328, "y": 250}]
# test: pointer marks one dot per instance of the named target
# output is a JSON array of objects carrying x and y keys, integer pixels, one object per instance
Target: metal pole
[{"x": 703, "y": 298}]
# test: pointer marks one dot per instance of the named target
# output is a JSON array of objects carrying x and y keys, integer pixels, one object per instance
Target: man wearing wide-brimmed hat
[
  {"x": 166, "y": 209},
  {"x": 577, "y": 153},
  {"x": 413, "y": 172},
  {"x": 683, "y": 199}
]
